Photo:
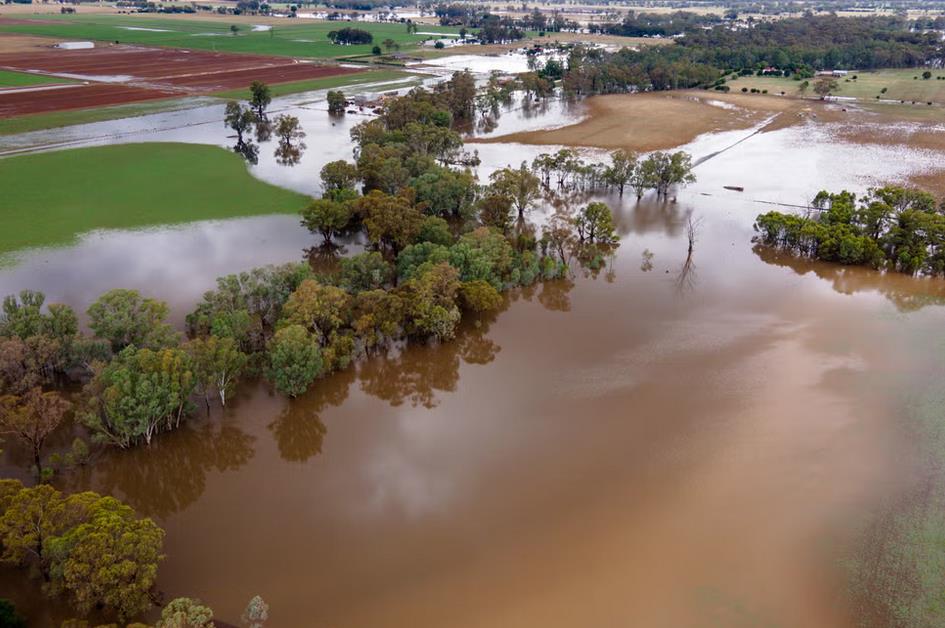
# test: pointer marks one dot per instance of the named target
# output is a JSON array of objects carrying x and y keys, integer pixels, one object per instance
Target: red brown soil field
[{"x": 123, "y": 74}]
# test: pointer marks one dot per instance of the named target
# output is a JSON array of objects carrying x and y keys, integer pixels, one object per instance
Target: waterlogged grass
[
  {"x": 26, "y": 79},
  {"x": 900, "y": 84},
  {"x": 50, "y": 198},
  {"x": 56, "y": 119},
  {"x": 898, "y": 577},
  {"x": 330, "y": 82},
  {"x": 297, "y": 38}
]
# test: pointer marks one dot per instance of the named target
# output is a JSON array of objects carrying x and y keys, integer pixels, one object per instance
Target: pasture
[
  {"x": 50, "y": 198},
  {"x": 900, "y": 84},
  {"x": 288, "y": 38}
]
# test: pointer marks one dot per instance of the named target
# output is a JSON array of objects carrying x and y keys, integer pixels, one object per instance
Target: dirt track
[{"x": 124, "y": 74}]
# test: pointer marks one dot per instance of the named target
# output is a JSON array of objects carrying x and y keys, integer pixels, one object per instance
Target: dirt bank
[{"x": 661, "y": 120}]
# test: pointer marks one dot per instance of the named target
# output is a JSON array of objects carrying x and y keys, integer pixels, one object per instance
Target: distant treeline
[
  {"x": 802, "y": 44},
  {"x": 656, "y": 24}
]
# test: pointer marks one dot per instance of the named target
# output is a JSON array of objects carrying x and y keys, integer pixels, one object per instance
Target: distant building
[{"x": 75, "y": 45}]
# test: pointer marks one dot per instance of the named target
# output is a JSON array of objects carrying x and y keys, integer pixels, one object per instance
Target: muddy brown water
[{"x": 689, "y": 445}]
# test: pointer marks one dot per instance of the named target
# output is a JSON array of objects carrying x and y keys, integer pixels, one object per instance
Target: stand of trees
[
  {"x": 892, "y": 228},
  {"x": 348, "y": 36},
  {"x": 796, "y": 45}
]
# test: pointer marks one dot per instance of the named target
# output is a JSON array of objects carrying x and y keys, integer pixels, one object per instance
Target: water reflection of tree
[
  {"x": 325, "y": 258},
  {"x": 415, "y": 373},
  {"x": 171, "y": 473},
  {"x": 906, "y": 293},
  {"x": 298, "y": 430}
]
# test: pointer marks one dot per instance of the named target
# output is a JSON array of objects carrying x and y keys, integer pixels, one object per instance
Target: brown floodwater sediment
[{"x": 670, "y": 442}]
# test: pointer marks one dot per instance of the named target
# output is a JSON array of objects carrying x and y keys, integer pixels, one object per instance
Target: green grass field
[
  {"x": 330, "y": 82},
  {"x": 50, "y": 198},
  {"x": 899, "y": 84},
  {"x": 298, "y": 38},
  {"x": 25, "y": 79}
]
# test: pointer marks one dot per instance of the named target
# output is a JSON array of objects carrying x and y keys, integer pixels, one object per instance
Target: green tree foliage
[
  {"x": 707, "y": 47},
  {"x": 338, "y": 176},
  {"x": 295, "y": 360},
  {"x": 661, "y": 170},
  {"x": 217, "y": 364},
  {"x": 382, "y": 168},
  {"x": 349, "y": 36},
  {"x": 256, "y": 613},
  {"x": 260, "y": 98},
  {"x": 124, "y": 318},
  {"x": 326, "y": 216},
  {"x": 520, "y": 185},
  {"x": 366, "y": 271},
  {"x": 445, "y": 192},
  {"x": 824, "y": 85},
  {"x": 479, "y": 296},
  {"x": 109, "y": 560},
  {"x": 241, "y": 120},
  {"x": 392, "y": 222},
  {"x": 32, "y": 418},
  {"x": 622, "y": 166},
  {"x": 185, "y": 612},
  {"x": 336, "y": 102},
  {"x": 595, "y": 225},
  {"x": 430, "y": 300},
  {"x": 892, "y": 227},
  {"x": 92, "y": 549},
  {"x": 320, "y": 309},
  {"x": 35, "y": 346},
  {"x": 138, "y": 394},
  {"x": 436, "y": 230},
  {"x": 495, "y": 210},
  {"x": 248, "y": 305}
]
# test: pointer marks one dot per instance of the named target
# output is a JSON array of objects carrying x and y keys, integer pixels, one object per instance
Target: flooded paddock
[{"x": 673, "y": 442}]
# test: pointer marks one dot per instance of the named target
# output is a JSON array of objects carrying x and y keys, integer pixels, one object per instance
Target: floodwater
[{"x": 679, "y": 443}]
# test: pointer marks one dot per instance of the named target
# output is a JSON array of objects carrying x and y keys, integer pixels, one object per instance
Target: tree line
[
  {"x": 797, "y": 46},
  {"x": 891, "y": 228}
]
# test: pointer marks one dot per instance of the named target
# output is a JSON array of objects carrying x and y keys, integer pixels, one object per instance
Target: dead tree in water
[{"x": 692, "y": 232}]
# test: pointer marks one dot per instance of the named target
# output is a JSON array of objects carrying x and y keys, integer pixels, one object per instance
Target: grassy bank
[
  {"x": 25, "y": 79},
  {"x": 900, "y": 84},
  {"x": 330, "y": 82},
  {"x": 56, "y": 119},
  {"x": 297, "y": 38},
  {"x": 50, "y": 198}
]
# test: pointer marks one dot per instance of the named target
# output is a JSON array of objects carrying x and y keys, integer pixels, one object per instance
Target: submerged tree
[
  {"x": 336, "y": 102},
  {"x": 520, "y": 185},
  {"x": 241, "y": 120},
  {"x": 185, "y": 612},
  {"x": 326, "y": 216},
  {"x": 256, "y": 613},
  {"x": 295, "y": 360},
  {"x": 32, "y": 417},
  {"x": 259, "y": 100},
  {"x": 217, "y": 364},
  {"x": 289, "y": 131},
  {"x": 123, "y": 317}
]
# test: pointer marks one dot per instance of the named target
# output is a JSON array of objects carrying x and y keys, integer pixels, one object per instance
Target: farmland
[
  {"x": 24, "y": 79},
  {"x": 126, "y": 186},
  {"x": 122, "y": 74},
  {"x": 297, "y": 38},
  {"x": 900, "y": 84}
]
